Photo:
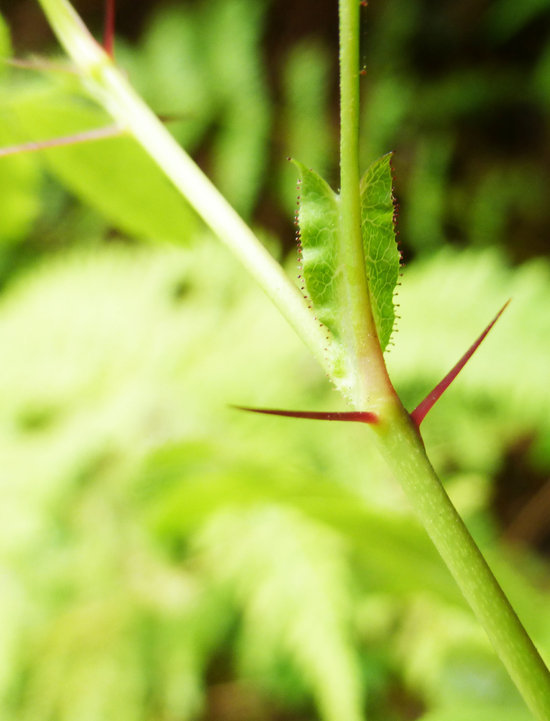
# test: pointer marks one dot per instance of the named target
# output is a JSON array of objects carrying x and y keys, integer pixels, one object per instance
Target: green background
[{"x": 164, "y": 557}]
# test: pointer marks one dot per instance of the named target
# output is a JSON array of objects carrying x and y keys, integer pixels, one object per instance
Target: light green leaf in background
[
  {"x": 117, "y": 368},
  {"x": 20, "y": 187},
  {"x": 382, "y": 256},
  {"x": 5, "y": 43},
  {"x": 189, "y": 66},
  {"x": 115, "y": 176},
  {"x": 306, "y": 95},
  {"x": 295, "y": 600},
  {"x": 19, "y": 176}
]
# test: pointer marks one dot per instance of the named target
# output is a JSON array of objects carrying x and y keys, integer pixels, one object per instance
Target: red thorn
[
  {"x": 357, "y": 416},
  {"x": 109, "y": 29},
  {"x": 423, "y": 408}
]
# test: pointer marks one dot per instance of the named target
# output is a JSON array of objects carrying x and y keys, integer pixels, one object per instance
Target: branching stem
[{"x": 397, "y": 435}]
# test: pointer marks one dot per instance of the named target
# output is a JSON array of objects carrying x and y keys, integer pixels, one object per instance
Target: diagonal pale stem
[
  {"x": 397, "y": 435},
  {"x": 109, "y": 86}
]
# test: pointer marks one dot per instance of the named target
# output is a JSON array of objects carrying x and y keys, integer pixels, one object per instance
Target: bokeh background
[{"x": 167, "y": 558}]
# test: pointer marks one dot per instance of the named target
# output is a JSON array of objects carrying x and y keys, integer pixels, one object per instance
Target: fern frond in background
[
  {"x": 145, "y": 549},
  {"x": 152, "y": 567}
]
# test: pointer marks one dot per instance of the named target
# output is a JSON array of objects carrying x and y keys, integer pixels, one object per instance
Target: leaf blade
[
  {"x": 382, "y": 256},
  {"x": 318, "y": 221}
]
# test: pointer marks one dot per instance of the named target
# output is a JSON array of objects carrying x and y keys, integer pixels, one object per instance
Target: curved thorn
[
  {"x": 423, "y": 408},
  {"x": 350, "y": 416}
]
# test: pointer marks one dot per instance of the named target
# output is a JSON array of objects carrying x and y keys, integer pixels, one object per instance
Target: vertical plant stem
[
  {"x": 375, "y": 386},
  {"x": 398, "y": 438}
]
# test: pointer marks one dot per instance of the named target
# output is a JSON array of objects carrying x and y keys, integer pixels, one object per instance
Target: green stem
[
  {"x": 397, "y": 438},
  {"x": 375, "y": 386},
  {"x": 400, "y": 443},
  {"x": 109, "y": 86}
]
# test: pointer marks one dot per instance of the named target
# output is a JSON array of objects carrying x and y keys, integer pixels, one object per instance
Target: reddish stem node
[
  {"x": 109, "y": 29},
  {"x": 423, "y": 408},
  {"x": 40, "y": 64},
  {"x": 353, "y": 416}
]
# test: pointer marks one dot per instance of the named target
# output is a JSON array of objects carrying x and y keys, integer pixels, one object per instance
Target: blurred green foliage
[{"x": 165, "y": 557}]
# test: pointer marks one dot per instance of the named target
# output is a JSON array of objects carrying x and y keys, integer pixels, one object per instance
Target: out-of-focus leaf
[
  {"x": 446, "y": 657},
  {"x": 19, "y": 176},
  {"x": 181, "y": 487},
  {"x": 424, "y": 220},
  {"x": 478, "y": 713},
  {"x": 114, "y": 175},
  {"x": 20, "y": 183},
  {"x": 305, "y": 121},
  {"x": 119, "y": 451},
  {"x": 190, "y": 66},
  {"x": 291, "y": 579},
  {"x": 240, "y": 148},
  {"x": 501, "y": 193},
  {"x": 506, "y": 17},
  {"x": 5, "y": 44},
  {"x": 388, "y": 105}
]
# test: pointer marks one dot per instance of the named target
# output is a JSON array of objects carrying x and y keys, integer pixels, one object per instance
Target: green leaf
[
  {"x": 20, "y": 180},
  {"x": 479, "y": 713},
  {"x": 318, "y": 219},
  {"x": 115, "y": 175},
  {"x": 382, "y": 256},
  {"x": 19, "y": 175}
]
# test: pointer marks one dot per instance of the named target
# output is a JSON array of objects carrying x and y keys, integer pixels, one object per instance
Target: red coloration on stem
[
  {"x": 357, "y": 416},
  {"x": 40, "y": 64},
  {"x": 109, "y": 131},
  {"x": 109, "y": 28},
  {"x": 423, "y": 408}
]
